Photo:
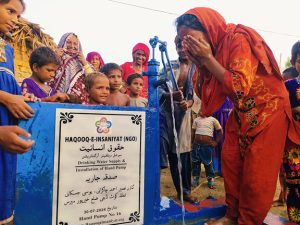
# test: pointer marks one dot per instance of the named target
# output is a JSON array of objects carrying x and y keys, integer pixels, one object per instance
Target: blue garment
[
  {"x": 202, "y": 153},
  {"x": 222, "y": 116},
  {"x": 8, "y": 160}
]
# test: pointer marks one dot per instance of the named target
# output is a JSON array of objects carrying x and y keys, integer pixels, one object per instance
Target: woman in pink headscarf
[
  {"x": 140, "y": 56},
  {"x": 95, "y": 59}
]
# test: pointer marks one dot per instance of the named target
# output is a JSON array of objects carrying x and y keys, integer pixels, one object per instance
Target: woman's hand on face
[
  {"x": 81, "y": 58},
  {"x": 198, "y": 50},
  {"x": 59, "y": 52}
]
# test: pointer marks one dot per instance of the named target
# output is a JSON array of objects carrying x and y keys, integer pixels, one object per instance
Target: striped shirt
[{"x": 206, "y": 125}]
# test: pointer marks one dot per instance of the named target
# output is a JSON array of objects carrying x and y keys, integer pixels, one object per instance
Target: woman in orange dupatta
[{"x": 234, "y": 61}]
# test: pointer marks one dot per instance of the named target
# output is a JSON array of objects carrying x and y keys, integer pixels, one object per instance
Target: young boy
[
  {"x": 114, "y": 74},
  {"x": 44, "y": 63},
  {"x": 203, "y": 145},
  {"x": 135, "y": 84},
  {"x": 97, "y": 88},
  {"x": 182, "y": 102}
]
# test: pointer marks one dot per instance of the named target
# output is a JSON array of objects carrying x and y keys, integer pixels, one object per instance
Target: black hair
[
  {"x": 2, "y": 2},
  {"x": 295, "y": 52},
  {"x": 90, "y": 79},
  {"x": 109, "y": 67},
  {"x": 42, "y": 56},
  {"x": 189, "y": 21},
  {"x": 290, "y": 71},
  {"x": 133, "y": 76}
]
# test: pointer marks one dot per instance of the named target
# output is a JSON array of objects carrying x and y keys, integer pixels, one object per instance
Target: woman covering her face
[{"x": 234, "y": 61}]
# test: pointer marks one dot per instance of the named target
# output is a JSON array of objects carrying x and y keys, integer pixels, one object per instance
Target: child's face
[
  {"x": 297, "y": 63},
  {"x": 115, "y": 79},
  {"x": 136, "y": 86},
  {"x": 180, "y": 50},
  {"x": 72, "y": 44},
  {"x": 139, "y": 57},
  {"x": 44, "y": 73},
  {"x": 99, "y": 92},
  {"x": 96, "y": 62},
  {"x": 9, "y": 15}
]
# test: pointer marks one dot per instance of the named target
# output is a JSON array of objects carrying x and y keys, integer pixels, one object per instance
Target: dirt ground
[{"x": 202, "y": 191}]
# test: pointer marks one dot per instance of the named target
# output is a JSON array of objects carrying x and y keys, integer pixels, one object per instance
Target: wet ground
[{"x": 202, "y": 191}]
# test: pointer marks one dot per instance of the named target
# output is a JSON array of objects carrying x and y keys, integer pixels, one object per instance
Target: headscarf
[
  {"x": 143, "y": 47},
  {"x": 219, "y": 34},
  {"x": 63, "y": 40},
  {"x": 91, "y": 55}
]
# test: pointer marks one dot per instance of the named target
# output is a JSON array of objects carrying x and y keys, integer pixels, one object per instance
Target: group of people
[
  {"x": 217, "y": 61},
  {"x": 65, "y": 75}
]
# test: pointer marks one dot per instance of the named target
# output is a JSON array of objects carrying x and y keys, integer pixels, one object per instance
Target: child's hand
[
  {"x": 58, "y": 97},
  {"x": 17, "y": 106},
  {"x": 29, "y": 97},
  {"x": 10, "y": 140}
]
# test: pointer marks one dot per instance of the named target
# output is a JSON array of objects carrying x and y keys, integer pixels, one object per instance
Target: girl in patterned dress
[{"x": 291, "y": 159}]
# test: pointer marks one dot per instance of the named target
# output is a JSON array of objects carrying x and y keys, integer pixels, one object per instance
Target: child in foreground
[
  {"x": 44, "y": 63},
  {"x": 97, "y": 88},
  {"x": 114, "y": 74},
  {"x": 135, "y": 84}
]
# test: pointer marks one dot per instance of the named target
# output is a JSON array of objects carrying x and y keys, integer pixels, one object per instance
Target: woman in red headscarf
[
  {"x": 140, "y": 56},
  {"x": 234, "y": 61}
]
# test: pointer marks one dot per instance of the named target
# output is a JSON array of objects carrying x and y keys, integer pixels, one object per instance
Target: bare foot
[{"x": 222, "y": 221}]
